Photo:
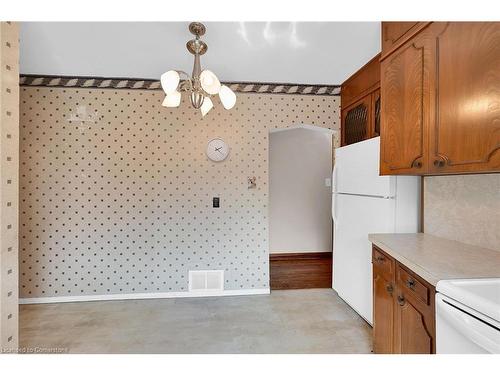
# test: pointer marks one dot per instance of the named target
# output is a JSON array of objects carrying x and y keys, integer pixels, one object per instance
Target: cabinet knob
[
  {"x": 401, "y": 300},
  {"x": 389, "y": 288},
  {"x": 439, "y": 163},
  {"x": 410, "y": 283},
  {"x": 417, "y": 164}
]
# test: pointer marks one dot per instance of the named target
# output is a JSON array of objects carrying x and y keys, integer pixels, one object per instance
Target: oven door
[{"x": 461, "y": 330}]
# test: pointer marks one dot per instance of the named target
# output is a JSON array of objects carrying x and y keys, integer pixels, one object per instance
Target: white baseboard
[{"x": 114, "y": 297}]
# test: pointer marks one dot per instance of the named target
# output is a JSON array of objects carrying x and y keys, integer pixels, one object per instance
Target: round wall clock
[{"x": 217, "y": 150}]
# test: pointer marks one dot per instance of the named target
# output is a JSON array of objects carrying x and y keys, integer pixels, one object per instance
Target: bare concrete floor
[{"x": 295, "y": 321}]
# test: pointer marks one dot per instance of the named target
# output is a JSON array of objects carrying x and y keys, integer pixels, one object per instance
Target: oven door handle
[{"x": 465, "y": 323}]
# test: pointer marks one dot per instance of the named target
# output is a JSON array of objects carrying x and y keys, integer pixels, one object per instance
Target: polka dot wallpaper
[{"x": 116, "y": 190}]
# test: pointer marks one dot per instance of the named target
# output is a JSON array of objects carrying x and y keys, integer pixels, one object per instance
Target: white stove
[{"x": 468, "y": 316}]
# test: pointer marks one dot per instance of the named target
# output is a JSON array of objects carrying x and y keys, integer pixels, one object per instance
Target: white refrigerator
[{"x": 364, "y": 202}]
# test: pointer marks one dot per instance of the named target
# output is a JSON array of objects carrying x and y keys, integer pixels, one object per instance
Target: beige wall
[
  {"x": 299, "y": 202},
  {"x": 464, "y": 208},
  {"x": 122, "y": 201},
  {"x": 9, "y": 176}
]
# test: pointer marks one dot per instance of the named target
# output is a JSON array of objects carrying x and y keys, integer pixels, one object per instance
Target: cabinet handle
[
  {"x": 401, "y": 300},
  {"x": 410, "y": 283},
  {"x": 417, "y": 164},
  {"x": 439, "y": 163},
  {"x": 389, "y": 289},
  {"x": 379, "y": 258}
]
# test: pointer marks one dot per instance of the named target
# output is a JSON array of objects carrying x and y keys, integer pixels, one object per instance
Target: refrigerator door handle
[
  {"x": 334, "y": 178},
  {"x": 334, "y": 210}
]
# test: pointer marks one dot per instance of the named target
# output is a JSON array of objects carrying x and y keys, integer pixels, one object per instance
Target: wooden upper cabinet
[
  {"x": 361, "y": 83},
  {"x": 465, "y": 136},
  {"x": 358, "y": 103},
  {"x": 376, "y": 113},
  {"x": 440, "y": 90},
  {"x": 393, "y": 32},
  {"x": 396, "y": 33},
  {"x": 405, "y": 89},
  {"x": 356, "y": 121}
]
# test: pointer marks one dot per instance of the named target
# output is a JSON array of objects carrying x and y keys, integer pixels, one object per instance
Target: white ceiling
[{"x": 285, "y": 52}]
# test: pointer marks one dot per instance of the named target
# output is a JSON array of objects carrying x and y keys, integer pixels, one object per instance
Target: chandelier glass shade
[
  {"x": 201, "y": 85},
  {"x": 172, "y": 100}
]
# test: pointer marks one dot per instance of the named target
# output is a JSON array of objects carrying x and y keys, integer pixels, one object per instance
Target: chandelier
[{"x": 202, "y": 85}]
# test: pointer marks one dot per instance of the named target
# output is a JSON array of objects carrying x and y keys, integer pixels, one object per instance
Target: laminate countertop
[{"x": 434, "y": 258}]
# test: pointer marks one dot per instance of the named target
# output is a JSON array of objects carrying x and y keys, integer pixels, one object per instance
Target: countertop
[{"x": 434, "y": 258}]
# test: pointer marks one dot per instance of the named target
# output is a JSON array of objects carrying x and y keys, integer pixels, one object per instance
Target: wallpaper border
[{"x": 150, "y": 84}]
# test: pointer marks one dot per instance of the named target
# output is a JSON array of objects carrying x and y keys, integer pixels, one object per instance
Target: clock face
[{"x": 217, "y": 150}]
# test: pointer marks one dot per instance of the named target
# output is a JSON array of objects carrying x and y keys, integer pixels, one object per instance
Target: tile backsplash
[{"x": 465, "y": 208}]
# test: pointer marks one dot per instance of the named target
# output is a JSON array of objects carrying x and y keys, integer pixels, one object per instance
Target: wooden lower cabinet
[
  {"x": 403, "y": 310},
  {"x": 383, "y": 314},
  {"x": 414, "y": 314},
  {"x": 413, "y": 333}
]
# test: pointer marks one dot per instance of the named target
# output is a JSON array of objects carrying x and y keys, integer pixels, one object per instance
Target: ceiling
[{"x": 284, "y": 52}]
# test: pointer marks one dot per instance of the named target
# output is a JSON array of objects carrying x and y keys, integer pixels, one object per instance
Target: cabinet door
[
  {"x": 355, "y": 121},
  {"x": 413, "y": 329},
  {"x": 375, "y": 123},
  {"x": 383, "y": 314},
  {"x": 405, "y": 92},
  {"x": 465, "y": 136}
]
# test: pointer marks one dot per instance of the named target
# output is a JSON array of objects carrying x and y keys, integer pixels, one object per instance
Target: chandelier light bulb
[
  {"x": 206, "y": 106},
  {"x": 169, "y": 81},
  {"x": 172, "y": 100},
  {"x": 209, "y": 82},
  {"x": 227, "y": 97}
]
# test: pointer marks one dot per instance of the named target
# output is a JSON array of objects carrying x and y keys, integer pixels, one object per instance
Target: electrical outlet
[{"x": 215, "y": 202}]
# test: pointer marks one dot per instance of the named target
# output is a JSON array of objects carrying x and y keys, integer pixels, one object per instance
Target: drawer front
[
  {"x": 383, "y": 263},
  {"x": 412, "y": 284}
]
